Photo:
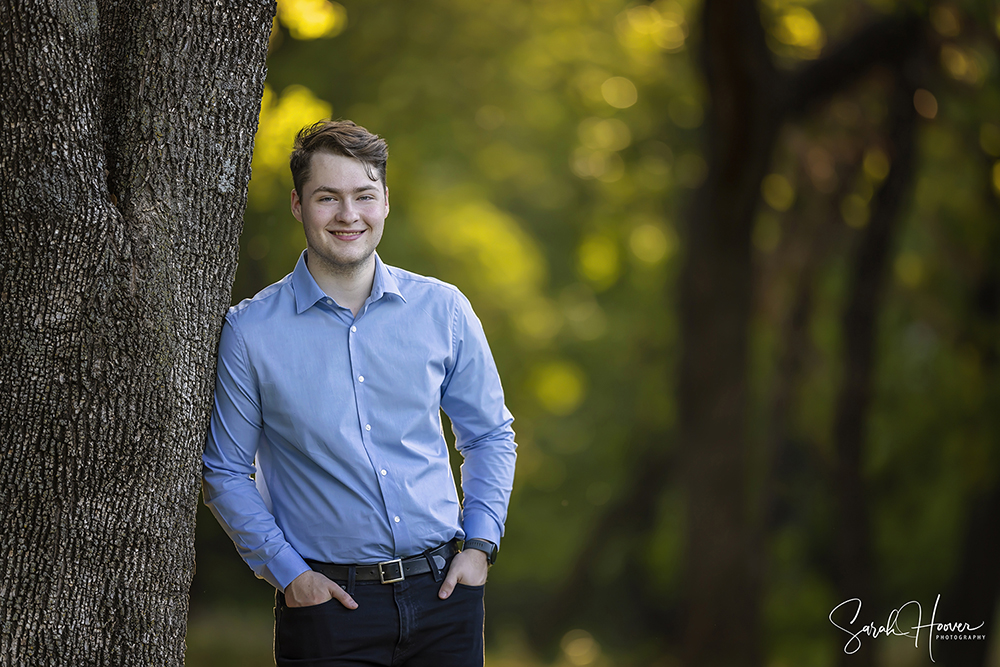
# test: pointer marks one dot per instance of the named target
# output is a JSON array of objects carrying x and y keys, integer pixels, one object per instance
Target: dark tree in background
[
  {"x": 125, "y": 143},
  {"x": 750, "y": 101},
  {"x": 731, "y": 511}
]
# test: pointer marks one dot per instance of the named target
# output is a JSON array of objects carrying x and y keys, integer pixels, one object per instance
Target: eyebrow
[{"x": 363, "y": 188}]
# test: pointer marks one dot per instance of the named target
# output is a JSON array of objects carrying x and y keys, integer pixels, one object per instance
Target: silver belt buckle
[{"x": 381, "y": 573}]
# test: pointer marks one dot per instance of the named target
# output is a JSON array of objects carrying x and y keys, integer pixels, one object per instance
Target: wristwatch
[{"x": 485, "y": 546}]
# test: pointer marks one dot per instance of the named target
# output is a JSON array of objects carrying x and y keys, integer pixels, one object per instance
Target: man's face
[{"x": 342, "y": 212}]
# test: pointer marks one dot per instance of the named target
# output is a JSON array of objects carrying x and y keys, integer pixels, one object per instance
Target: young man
[{"x": 326, "y": 461}]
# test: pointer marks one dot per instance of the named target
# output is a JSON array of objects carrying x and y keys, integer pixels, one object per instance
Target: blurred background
[{"x": 739, "y": 265}]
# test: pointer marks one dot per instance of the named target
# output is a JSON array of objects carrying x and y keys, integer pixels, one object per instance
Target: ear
[
  {"x": 386, "y": 198},
  {"x": 296, "y": 205}
]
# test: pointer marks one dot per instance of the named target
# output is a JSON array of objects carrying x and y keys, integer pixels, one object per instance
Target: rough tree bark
[{"x": 125, "y": 142}]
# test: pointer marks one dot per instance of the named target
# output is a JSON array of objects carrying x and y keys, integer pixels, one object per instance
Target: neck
[{"x": 349, "y": 286}]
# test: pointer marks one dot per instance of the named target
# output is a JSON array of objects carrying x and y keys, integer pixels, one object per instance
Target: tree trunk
[
  {"x": 127, "y": 129},
  {"x": 855, "y": 575},
  {"x": 721, "y": 603}
]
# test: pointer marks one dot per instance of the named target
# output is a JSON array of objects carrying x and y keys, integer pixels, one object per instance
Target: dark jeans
[{"x": 403, "y": 624}]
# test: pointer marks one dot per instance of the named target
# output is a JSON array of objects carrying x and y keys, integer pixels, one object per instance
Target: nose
[{"x": 347, "y": 212}]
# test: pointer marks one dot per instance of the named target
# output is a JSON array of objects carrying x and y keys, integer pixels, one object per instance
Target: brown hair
[{"x": 340, "y": 137}]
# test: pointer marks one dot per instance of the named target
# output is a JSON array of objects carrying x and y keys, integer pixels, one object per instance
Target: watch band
[{"x": 485, "y": 546}]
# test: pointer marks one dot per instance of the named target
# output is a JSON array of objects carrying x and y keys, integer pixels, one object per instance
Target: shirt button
[
  {"x": 396, "y": 519},
  {"x": 383, "y": 473},
  {"x": 353, "y": 329},
  {"x": 368, "y": 427},
  {"x": 361, "y": 378}
]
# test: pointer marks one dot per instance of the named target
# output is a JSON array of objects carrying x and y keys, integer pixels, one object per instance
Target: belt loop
[
  {"x": 352, "y": 573},
  {"x": 435, "y": 572}
]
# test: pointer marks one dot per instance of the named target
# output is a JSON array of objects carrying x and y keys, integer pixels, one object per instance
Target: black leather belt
[{"x": 389, "y": 571}]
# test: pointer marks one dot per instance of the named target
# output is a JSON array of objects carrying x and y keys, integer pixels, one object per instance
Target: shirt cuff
[
  {"x": 481, "y": 525},
  {"x": 284, "y": 568}
]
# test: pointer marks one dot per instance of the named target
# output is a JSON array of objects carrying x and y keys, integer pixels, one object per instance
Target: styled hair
[{"x": 340, "y": 137}]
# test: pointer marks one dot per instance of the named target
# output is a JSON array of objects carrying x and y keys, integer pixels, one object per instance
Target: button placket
[
  {"x": 358, "y": 378},
  {"x": 393, "y": 506}
]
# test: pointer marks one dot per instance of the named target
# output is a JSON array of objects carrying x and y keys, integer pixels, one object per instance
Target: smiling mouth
[{"x": 349, "y": 234}]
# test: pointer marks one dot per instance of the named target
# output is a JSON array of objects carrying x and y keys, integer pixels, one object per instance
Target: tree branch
[{"x": 890, "y": 41}]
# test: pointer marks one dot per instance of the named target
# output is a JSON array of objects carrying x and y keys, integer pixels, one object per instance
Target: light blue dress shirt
[{"x": 326, "y": 440}]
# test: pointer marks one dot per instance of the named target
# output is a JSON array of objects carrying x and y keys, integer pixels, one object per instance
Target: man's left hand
[{"x": 468, "y": 567}]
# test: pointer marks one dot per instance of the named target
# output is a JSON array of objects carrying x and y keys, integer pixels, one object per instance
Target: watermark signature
[{"x": 895, "y": 627}]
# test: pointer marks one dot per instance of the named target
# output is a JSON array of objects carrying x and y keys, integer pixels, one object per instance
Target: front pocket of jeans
[
  {"x": 467, "y": 587},
  {"x": 322, "y": 606}
]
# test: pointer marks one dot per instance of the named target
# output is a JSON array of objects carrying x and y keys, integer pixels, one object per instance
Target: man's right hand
[{"x": 312, "y": 588}]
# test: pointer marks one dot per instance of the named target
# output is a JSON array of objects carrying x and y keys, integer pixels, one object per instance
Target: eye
[{"x": 367, "y": 198}]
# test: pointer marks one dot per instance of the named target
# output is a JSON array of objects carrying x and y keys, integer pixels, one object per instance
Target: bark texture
[{"x": 125, "y": 142}]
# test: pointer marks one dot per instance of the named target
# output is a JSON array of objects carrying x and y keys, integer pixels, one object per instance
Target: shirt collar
[
  {"x": 385, "y": 282},
  {"x": 307, "y": 292}
]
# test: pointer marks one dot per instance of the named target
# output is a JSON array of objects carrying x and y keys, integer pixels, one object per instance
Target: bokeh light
[
  {"x": 559, "y": 386},
  {"x": 281, "y": 117},
  {"x": 312, "y": 19}
]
